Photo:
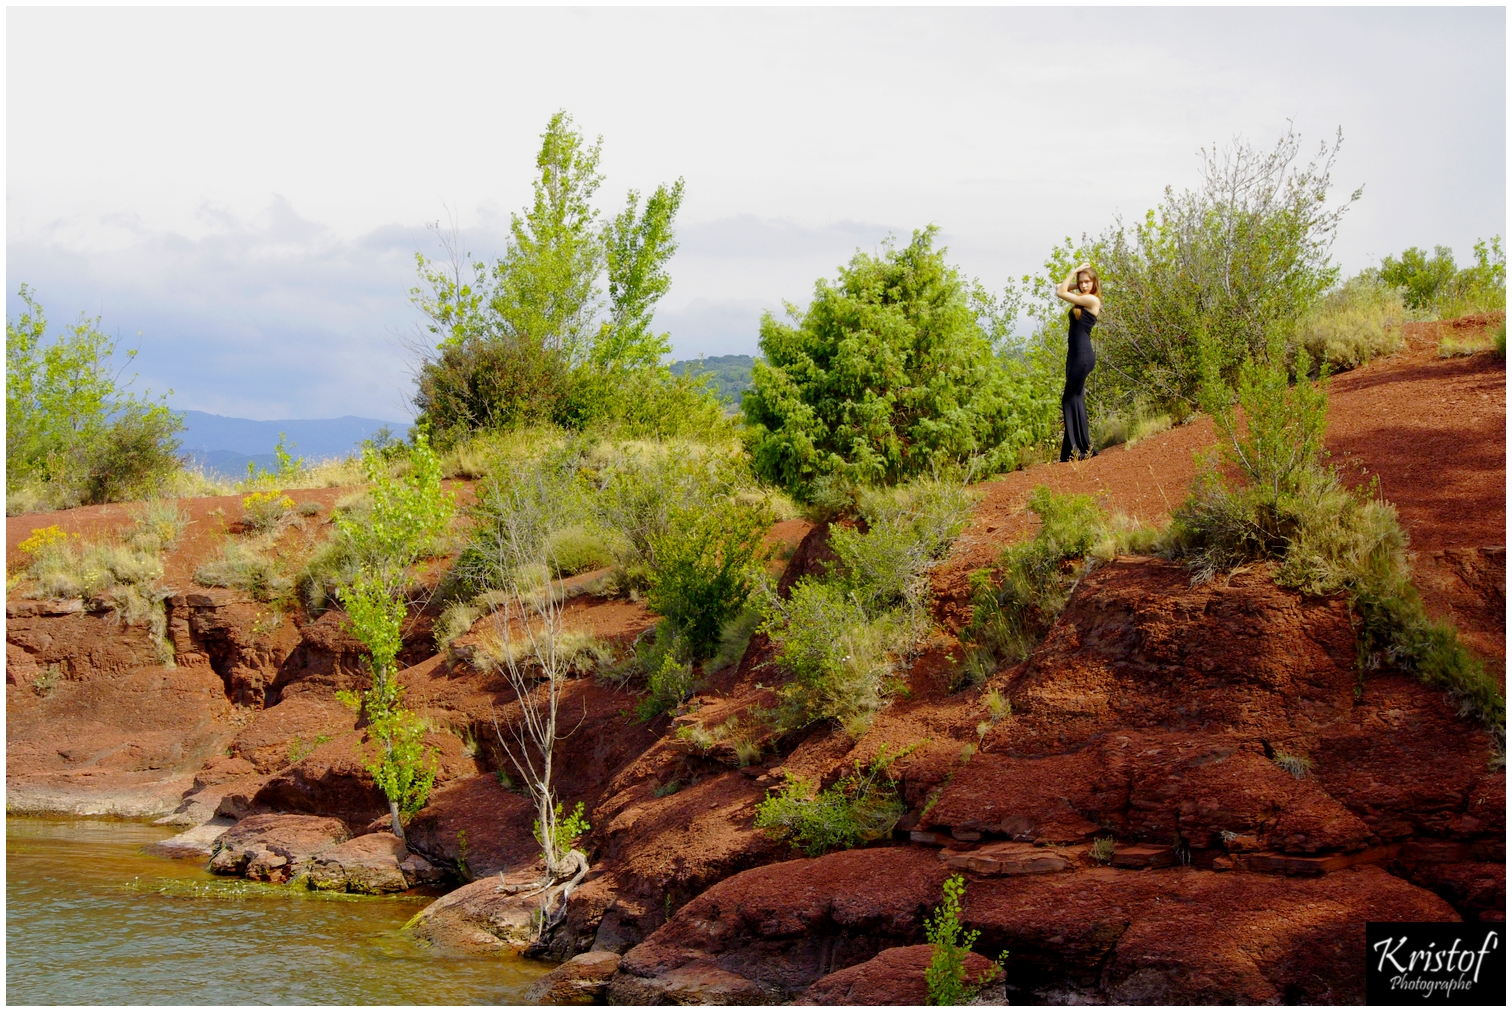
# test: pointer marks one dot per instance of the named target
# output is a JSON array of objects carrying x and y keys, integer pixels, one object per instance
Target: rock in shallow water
[
  {"x": 196, "y": 842},
  {"x": 275, "y": 848},
  {"x": 367, "y": 864}
]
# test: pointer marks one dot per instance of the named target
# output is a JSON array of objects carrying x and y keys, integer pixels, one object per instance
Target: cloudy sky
[{"x": 246, "y": 189}]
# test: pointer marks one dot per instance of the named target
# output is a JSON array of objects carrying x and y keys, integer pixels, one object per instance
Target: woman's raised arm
[{"x": 1070, "y": 291}]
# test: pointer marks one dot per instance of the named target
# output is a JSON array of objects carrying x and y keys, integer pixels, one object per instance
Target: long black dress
[{"x": 1080, "y": 358}]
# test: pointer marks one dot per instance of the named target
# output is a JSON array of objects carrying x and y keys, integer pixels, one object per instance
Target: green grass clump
[
  {"x": 1297, "y": 766},
  {"x": 333, "y": 564},
  {"x": 265, "y": 511},
  {"x": 860, "y": 807},
  {"x": 1353, "y": 324},
  {"x": 250, "y": 566},
  {"x": 575, "y": 550},
  {"x": 1454, "y": 346},
  {"x": 126, "y": 575},
  {"x": 1132, "y": 425},
  {"x": 456, "y": 619},
  {"x": 157, "y": 525},
  {"x": 62, "y": 567}
]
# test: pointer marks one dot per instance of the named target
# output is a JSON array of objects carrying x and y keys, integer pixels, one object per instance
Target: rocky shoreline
[{"x": 1151, "y": 713}]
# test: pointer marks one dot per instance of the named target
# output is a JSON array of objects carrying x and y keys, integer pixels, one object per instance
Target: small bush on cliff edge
[
  {"x": 1010, "y": 616},
  {"x": 860, "y": 807},
  {"x": 945, "y": 979},
  {"x": 1328, "y": 539},
  {"x": 841, "y": 636}
]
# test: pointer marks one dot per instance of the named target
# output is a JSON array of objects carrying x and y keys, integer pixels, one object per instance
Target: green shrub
[
  {"x": 655, "y": 404},
  {"x": 519, "y": 510},
  {"x": 634, "y": 500},
  {"x": 666, "y": 659},
  {"x": 1101, "y": 850},
  {"x": 1437, "y": 286},
  {"x": 250, "y": 566},
  {"x": 1353, "y": 324},
  {"x": 46, "y": 681},
  {"x": 570, "y": 828},
  {"x": 64, "y": 568},
  {"x": 264, "y": 511},
  {"x": 843, "y": 662},
  {"x": 862, "y": 806},
  {"x": 908, "y": 530},
  {"x": 136, "y": 457},
  {"x": 706, "y": 559},
  {"x": 842, "y": 637},
  {"x": 158, "y": 525},
  {"x": 1207, "y": 279},
  {"x": 734, "y": 637},
  {"x": 333, "y": 564},
  {"x": 482, "y": 383},
  {"x": 886, "y": 374}
]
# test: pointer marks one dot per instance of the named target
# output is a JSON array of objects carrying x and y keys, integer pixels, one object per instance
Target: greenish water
[{"x": 92, "y": 920}]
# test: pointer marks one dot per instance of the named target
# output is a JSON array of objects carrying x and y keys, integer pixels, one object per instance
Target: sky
[{"x": 240, "y": 194}]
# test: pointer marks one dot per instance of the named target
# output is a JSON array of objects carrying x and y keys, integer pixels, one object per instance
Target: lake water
[{"x": 90, "y": 919}]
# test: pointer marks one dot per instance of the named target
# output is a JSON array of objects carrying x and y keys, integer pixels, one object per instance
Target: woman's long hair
[{"x": 1096, "y": 289}]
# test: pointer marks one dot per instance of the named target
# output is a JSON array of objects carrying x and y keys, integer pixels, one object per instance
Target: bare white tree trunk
[{"x": 529, "y": 627}]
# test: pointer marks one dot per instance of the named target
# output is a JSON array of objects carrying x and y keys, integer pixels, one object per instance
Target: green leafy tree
[
  {"x": 530, "y": 338},
  {"x": 637, "y": 248},
  {"x": 1423, "y": 279},
  {"x": 1484, "y": 285},
  {"x": 545, "y": 287},
  {"x": 407, "y": 516},
  {"x": 70, "y": 421},
  {"x": 887, "y": 373}
]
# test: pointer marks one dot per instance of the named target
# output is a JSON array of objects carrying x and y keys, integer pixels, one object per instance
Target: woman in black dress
[{"x": 1082, "y": 289}]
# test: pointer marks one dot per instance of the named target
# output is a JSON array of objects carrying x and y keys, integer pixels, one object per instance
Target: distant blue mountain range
[{"x": 226, "y": 445}]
